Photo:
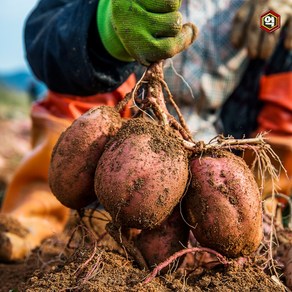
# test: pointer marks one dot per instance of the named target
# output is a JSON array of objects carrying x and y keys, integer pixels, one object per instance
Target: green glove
[
  {"x": 143, "y": 30},
  {"x": 246, "y": 31}
]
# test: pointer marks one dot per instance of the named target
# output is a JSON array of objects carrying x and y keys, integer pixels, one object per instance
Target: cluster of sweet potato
[{"x": 143, "y": 174}]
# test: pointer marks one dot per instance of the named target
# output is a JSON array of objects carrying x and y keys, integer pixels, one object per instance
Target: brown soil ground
[{"x": 82, "y": 260}]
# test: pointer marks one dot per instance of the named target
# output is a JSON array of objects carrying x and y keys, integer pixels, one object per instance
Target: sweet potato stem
[{"x": 153, "y": 78}]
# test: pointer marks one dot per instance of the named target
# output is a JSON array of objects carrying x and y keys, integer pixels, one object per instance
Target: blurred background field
[
  {"x": 14, "y": 132},
  {"x": 13, "y": 104},
  {"x": 18, "y": 88}
]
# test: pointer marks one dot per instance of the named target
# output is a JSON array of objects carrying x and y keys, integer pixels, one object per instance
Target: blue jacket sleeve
[{"x": 64, "y": 49}]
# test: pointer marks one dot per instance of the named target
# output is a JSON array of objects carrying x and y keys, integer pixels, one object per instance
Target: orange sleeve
[{"x": 71, "y": 107}]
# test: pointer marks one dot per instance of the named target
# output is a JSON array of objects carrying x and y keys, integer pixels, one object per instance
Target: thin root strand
[{"x": 178, "y": 255}]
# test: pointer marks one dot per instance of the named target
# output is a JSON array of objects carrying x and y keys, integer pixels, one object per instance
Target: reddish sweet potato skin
[
  {"x": 223, "y": 204},
  {"x": 141, "y": 175},
  {"x": 75, "y": 156},
  {"x": 158, "y": 244}
]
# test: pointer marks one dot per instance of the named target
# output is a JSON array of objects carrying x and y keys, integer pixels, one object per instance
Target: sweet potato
[
  {"x": 158, "y": 244},
  {"x": 75, "y": 156},
  {"x": 142, "y": 174},
  {"x": 223, "y": 204}
]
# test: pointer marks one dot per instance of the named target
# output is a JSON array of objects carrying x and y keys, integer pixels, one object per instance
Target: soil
[
  {"x": 82, "y": 260},
  {"x": 85, "y": 258}
]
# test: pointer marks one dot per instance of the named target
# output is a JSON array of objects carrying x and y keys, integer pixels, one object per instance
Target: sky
[{"x": 12, "y": 16}]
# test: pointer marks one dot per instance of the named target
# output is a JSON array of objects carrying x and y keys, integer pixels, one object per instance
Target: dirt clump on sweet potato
[
  {"x": 142, "y": 174},
  {"x": 223, "y": 204},
  {"x": 76, "y": 153}
]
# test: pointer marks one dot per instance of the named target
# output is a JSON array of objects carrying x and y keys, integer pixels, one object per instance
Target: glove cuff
[{"x": 109, "y": 37}]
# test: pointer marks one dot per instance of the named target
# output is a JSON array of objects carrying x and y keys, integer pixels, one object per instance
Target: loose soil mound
[
  {"x": 91, "y": 261},
  {"x": 109, "y": 271}
]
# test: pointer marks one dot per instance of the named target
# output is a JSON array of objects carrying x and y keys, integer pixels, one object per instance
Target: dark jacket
[{"x": 64, "y": 49}]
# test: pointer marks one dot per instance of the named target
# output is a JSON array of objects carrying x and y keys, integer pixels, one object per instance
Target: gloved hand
[
  {"x": 246, "y": 31},
  {"x": 143, "y": 30}
]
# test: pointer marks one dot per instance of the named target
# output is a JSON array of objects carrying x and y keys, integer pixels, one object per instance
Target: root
[
  {"x": 121, "y": 239},
  {"x": 132, "y": 95},
  {"x": 277, "y": 239},
  {"x": 178, "y": 255},
  {"x": 85, "y": 264},
  {"x": 96, "y": 268}
]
